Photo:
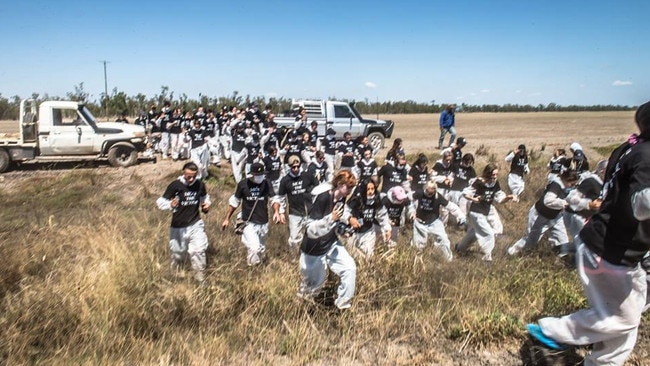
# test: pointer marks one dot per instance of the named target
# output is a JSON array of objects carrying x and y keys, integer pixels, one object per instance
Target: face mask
[
  {"x": 371, "y": 198},
  {"x": 400, "y": 166},
  {"x": 257, "y": 179}
]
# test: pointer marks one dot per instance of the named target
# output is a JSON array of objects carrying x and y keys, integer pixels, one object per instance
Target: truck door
[
  {"x": 344, "y": 120},
  {"x": 68, "y": 135}
]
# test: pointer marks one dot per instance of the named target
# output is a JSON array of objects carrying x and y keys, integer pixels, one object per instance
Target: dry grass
[{"x": 84, "y": 281}]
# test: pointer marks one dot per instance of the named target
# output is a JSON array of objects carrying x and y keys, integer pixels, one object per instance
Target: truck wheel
[
  {"x": 376, "y": 141},
  {"x": 5, "y": 160},
  {"x": 122, "y": 155}
]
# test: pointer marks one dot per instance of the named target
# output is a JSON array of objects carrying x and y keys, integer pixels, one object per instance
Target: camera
[{"x": 344, "y": 230}]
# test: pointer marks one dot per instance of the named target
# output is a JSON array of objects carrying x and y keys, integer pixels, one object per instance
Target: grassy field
[{"x": 85, "y": 276}]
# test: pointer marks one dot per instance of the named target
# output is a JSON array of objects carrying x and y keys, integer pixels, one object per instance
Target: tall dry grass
[{"x": 85, "y": 280}]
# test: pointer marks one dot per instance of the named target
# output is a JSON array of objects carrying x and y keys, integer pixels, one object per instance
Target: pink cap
[{"x": 397, "y": 193}]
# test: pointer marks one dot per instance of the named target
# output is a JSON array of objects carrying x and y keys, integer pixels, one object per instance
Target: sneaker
[
  {"x": 535, "y": 332},
  {"x": 513, "y": 250},
  {"x": 343, "y": 303}
]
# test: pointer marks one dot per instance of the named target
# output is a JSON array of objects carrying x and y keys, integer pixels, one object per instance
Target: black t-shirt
[
  {"x": 428, "y": 209},
  {"x": 253, "y": 152},
  {"x": 394, "y": 209},
  {"x": 365, "y": 211},
  {"x": 462, "y": 176},
  {"x": 366, "y": 169},
  {"x": 323, "y": 205},
  {"x": 295, "y": 147},
  {"x": 197, "y": 136},
  {"x": 486, "y": 194},
  {"x": 347, "y": 147},
  {"x": 391, "y": 177},
  {"x": 298, "y": 192},
  {"x": 442, "y": 170},
  {"x": 330, "y": 145},
  {"x": 318, "y": 171},
  {"x": 249, "y": 193},
  {"x": 187, "y": 212},
  {"x": 272, "y": 165},
  {"x": 238, "y": 141},
  {"x": 517, "y": 164},
  {"x": 419, "y": 177},
  {"x": 613, "y": 232}
]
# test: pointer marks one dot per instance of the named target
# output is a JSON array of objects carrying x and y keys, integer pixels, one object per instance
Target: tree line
[{"x": 118, "y": 102}]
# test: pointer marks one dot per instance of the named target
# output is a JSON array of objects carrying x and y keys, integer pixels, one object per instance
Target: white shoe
[
  {"x": 343, "y": 303},
  {"x": 513, "y": 250}
]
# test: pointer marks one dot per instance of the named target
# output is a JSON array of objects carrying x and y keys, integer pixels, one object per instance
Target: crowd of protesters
[{"x": 339, "y": 202}]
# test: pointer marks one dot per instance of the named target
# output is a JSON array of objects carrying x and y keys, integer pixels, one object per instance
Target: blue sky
[{"x": 475, "y": 52}]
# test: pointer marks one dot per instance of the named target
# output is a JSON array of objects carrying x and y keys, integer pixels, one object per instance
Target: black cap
[
  {"x": 257, "y": 169},
  {"x": 330, "y": 131},
  {"x": 522, "y": 147},
  {"x": 461, "y": 141}
]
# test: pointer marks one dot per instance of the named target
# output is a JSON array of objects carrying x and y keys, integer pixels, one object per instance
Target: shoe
[
  {"x": 535, "y": 332},
  {"x": 513, "y": 250}
]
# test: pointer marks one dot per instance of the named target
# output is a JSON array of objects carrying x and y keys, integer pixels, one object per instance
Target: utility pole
[{"x": 105, "y": 90}]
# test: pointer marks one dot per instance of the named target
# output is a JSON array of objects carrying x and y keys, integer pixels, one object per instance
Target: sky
[{"x": 466, "y": 51}]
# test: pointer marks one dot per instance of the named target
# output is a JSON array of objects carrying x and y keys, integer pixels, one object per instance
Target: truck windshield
[
  {"x": 356, "y": 113},
  {"x": 88, "y": 116}
]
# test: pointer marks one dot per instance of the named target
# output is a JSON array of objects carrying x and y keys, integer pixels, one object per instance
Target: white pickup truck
[
  {"x": 342, "y": 117},
  {"x": 67, "y": 131}
]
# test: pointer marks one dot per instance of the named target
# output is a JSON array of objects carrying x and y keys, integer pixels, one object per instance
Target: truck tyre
[
  {"x": 376, "y": 141},
  {"x": 122, "y": 154},
  {"x": 5, "y": 160}
]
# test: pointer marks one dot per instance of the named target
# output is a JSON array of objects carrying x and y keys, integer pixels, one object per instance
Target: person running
[
  {"x": 558, "y": 163},
  {"x": 518, "y": 160},
  {"x": 584, "y": 200},
  {"x": 187, "y": 197},
  {"x": 319, "y": 168},
  {"x": 610, "y": 249},
  {"x": 394, "y": 175},
  {"x": 294, "y": 190},
  {"x": 419, "y": 174},
  {"x": 274, "y": 167},
  {"x": 199, "y": 152},
  {"x": 366, "y": 167},
  {"x": 395, "y": 201},
  {"x": 367, "y": 216},
  {"x": 330, "y": 148},
  {"x": 546, "y": 215},
  {"x": 254, "y": 194},
  {"x": 321, "y": 248},
  {"x": 462, "y": 174},
  {"x": 346, "y": 149},
  {"x": 482, "y": 193},
  {"x": 425, "y": 213}
]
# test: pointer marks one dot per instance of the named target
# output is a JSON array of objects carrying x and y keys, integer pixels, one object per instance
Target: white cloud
[
  {"x": 485, "y": 91},
  {"x": 621, "y": 83},
  {"x": 370, "y": 84}
]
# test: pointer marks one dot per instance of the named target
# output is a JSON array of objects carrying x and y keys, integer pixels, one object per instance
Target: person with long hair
[
  {"x": 321, "y": 248},
  {"x": 482, "y": 193}
]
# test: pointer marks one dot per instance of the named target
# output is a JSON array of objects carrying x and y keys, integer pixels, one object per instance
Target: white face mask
[
  {"x": 257, "y": 179},
  {"x": 400, "y": 166},
  {"x": 371, "y": 198}
]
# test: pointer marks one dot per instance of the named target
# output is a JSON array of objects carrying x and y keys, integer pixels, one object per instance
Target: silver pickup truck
[
  {"x": 67, "y": 131},
  {"x": 342, "y": 117}
]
